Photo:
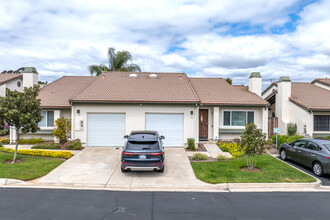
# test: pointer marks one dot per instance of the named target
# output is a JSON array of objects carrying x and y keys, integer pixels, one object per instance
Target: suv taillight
[
  {"x": 154, "y": 154},
  {"x": 125, "y": 153}
]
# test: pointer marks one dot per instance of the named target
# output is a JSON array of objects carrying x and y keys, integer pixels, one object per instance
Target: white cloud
[{"x": 63, "y": 39}]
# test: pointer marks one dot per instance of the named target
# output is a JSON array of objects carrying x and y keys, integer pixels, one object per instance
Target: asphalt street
[
  {"x": 325, "y": 179},
  {"x": 17, "y": 203}
]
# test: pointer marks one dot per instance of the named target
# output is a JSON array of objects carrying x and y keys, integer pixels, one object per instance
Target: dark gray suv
[
  {"x": 143, "y": 151},
  {"x": 313, "y": 153}
]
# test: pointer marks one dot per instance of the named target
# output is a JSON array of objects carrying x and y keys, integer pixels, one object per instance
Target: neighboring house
[
  {"x": 305, "y": 104},
  {"x": 17, "y": 81},
  {"x": 105, "y": 108},
  {"x": 324, "y": 83}
]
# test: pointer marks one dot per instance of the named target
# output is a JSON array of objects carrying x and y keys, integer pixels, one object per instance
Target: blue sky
[{"x": 202, "y": 38}]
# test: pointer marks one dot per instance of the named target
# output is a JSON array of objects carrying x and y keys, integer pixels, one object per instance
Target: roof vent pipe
[
  {"x": 153, "y": 76},
  {"x": 133, "y": 75}
]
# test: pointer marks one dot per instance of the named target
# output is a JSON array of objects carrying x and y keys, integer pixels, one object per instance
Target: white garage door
[
  {"x": 106, "y": 129},
  {"x": 168, "y": 125}
]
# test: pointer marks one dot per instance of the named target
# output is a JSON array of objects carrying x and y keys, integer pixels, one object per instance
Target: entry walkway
[{"x": 215, "y": 151}]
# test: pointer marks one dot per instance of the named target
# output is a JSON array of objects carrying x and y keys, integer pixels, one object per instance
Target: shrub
[
  {"x": 292, "y": 129},
  {"x": 253, "y": 141},
  {"x": 40, "y": 153},
  {"x": 191, "y": 144},
  {"x": 285, "y": 139},
  {"x": 30, "y": 141},
  {"x": 4, "y": 140},
  {"x": 46, "y": 146},
  {"x": 4, "y": 132},
  {"x": 222, "y": 157},
  {"x": 62, "y": 129},
  {"x": 327, "y": 137},
  {"x": 233, "y": 148},
  {"x": 200, "y": 156},
  {"x": 73, "y": 145}
]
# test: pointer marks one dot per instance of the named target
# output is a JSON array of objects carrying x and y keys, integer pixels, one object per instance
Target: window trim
[
  {"x": 230, "y": 118},
  {"x": 46, "y": 118}
]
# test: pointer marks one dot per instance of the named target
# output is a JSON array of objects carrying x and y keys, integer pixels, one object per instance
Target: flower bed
[
  {"x": 233, "y": 148},
  {"x": 40, "y": 153}
]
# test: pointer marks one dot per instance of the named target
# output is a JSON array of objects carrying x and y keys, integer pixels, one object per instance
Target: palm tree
[{"x": 118, "y": 61}]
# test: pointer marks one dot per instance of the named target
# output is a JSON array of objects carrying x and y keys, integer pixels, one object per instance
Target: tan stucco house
[
  {"x": 104, "y": 108},
  {"x": 305, "y": 104}
]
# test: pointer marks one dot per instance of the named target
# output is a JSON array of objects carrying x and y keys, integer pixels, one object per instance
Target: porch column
[
  {"x": 265, "y": 121},
  {"x": 216, "y": 123},
  {"x": 56, "y": 116}
]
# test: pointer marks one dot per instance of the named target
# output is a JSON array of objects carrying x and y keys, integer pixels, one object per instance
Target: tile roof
[
  {"x": 217, "y": 91},
  {"x": 322, "y": 80},
  {"x": 4, "y": 77},
  {"x": 310, "y": 96},
  {"x": 120, "y": 87},
  {"x": 58, "y": 93}
]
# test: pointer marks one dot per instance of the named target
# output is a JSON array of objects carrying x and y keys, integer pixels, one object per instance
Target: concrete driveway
[{"x": 100, "y": 167}]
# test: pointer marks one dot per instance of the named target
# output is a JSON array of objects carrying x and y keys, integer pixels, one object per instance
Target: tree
[
  {"x": 62, "y": 129},
  {"x": 229, "y": 80},
  {"x": 118, "y": 61},
  {"x": 253, "y": 142},
  {"x": 21, "y": 110}
]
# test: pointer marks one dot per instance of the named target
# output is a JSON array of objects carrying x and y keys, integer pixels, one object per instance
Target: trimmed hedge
[
  {"x": 46, "y": 146},
  {"x": 40, "y": 153},
  {"x": 200, "y": 156},
  {"x": 73, "y": 145},
  {"x": 286, "y": 139},
  {"x": 31, "y": 141}
]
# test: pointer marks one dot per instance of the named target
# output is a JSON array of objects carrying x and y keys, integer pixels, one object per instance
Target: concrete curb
[{"x": 5, "y": 181}]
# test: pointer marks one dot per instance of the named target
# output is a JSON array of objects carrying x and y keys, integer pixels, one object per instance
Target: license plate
[{"x": 142, "y": 157}]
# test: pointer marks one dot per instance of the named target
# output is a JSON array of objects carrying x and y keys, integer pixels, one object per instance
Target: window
[
  {"x": 47, "y": 119},
  {"x": 237, "y": 118},
  {"x": 300, "y": 143},
  {"x": 321, "y": 122},
  {"x": 312, "y": 146}
]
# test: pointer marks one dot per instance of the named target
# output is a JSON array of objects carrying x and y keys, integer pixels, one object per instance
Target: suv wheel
[
  {"x": 283, "y": 154},
  {"x": 318, "y": 169},
  {"x": 161, "y": 170}
]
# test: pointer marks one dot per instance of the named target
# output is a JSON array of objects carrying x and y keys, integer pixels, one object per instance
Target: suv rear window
[{"x": 137, "y": 145}]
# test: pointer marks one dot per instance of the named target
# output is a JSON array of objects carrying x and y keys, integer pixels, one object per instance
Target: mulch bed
[
  {"x": 254, "y": 170},
  {"x": 17, "y": 161},
  {"x": 199, "y": 149}
]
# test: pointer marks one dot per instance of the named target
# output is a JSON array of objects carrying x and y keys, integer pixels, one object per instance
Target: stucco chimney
[
  {"x": 255, "y": 83},
  {"x": 30, "y": 76},
  {"x": 283, "y": 103}
]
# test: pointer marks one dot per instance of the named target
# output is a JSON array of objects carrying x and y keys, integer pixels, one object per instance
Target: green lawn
[
  {"x": 272, "y": 171},
  {"x": 31, "y": 168}
]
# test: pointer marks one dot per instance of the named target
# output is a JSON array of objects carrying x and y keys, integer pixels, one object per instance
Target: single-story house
[
  {"x": 305, "y": 104},
  {"x": 104, "y": 108}
]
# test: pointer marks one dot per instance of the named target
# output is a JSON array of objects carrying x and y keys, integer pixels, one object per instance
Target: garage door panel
[
  {"x": 106, "y": 129},
  {"x": 169, "y": 125}
]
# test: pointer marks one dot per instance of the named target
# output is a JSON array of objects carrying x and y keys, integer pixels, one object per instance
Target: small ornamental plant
[
  {"x": 62, "y": 129},
  {"x": 254, "y": 143}
]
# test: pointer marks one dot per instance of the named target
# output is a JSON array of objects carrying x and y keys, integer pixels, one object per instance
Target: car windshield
[
  {"x": 135, "y": 145},
  {"x": 327, "y": 146}
]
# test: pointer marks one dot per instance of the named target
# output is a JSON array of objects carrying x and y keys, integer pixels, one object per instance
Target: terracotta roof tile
[
  {"x": 322, "y": 80},
  {"x": 310, "y": 96},
  {"x": 4, "y": 77},
  {"x": 217, "y": 91},
  {"x": 120, "y": 87},
  {"x": 58, "y": 93}
]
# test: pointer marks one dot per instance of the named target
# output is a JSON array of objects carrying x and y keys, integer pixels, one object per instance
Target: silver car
[{"x": 313, "y": 153}]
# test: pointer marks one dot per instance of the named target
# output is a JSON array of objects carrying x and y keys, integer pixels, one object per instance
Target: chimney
[
  {"x": 30, "y": 76},
  {"x": 283, "y": 103},
  {"x": 255, "y": 83}
]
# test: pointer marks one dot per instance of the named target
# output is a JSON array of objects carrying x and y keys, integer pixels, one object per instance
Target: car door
[
  {"x": 296, "y": 150},
  {"x": 309, "y": 153}
]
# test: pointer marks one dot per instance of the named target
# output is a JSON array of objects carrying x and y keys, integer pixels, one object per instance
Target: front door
[{"x": 203, "y": 124}]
